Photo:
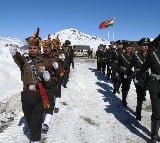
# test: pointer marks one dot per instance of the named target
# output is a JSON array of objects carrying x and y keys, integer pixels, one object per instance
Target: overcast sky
[{"x": 134, "y": 18}]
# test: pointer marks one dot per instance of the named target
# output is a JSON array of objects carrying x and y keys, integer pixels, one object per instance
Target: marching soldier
[
  {"x": 109, "y": 52},
  {"x": 137, "y": 62},
  {"x": 52, "y": 67},
  {"x": 152, "y": 62},
  {"x": 33, "y": 97},
  {"x": 58, "y": 51},
  {"x": 124, "y": 62},
  {"x": 115, "y": 75},
  {"x": 67, "y": 62}
]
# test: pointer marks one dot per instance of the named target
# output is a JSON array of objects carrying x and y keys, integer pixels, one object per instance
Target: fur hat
[
  {"x": 47, "y": 43},
  {"x": 56, "y": 41},
  {"x": 34, "y": 40}
]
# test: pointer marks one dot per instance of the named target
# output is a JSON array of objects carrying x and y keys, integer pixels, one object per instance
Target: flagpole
[
  {"x": 113, "y": 32},
  {"x": 113, "y": 29},
  {"x": 108, "y": 35}
]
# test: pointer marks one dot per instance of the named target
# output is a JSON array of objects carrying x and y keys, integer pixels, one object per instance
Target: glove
[
  {"x": 117, "y": 74},
  {"x": 125, "y": 76},
  {"x": 13, "y": 51},
  {"x": 55, "y": 65},
  {"x": 46, "y": 75},
  {"x": 135, "y": 80},
  {"x": 62, "y": 57}
]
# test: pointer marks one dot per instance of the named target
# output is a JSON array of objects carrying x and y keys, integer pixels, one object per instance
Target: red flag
[{"x": 106, "y": 23}]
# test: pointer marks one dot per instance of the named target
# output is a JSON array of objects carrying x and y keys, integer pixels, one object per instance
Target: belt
[
  {"x": 123, "y": 68},
  {"x": 156, "y": 76},
  {"x": 30, "y": 87}
]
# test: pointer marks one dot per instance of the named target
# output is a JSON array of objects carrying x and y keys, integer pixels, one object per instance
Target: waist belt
[
  {"x": 156, "y": 76},
  {"x": 30, "y": 87},
  {"x": 123, "y": 68}
]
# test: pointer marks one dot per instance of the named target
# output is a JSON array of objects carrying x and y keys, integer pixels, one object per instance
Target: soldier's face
[
  {"x": 46, "y": 50},
  {"x": 144, "y": 48},
  {"x": 34, "y": 50}
]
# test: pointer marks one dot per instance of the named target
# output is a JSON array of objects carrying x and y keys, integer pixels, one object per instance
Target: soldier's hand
[
  {"x": 117, "y": 74},
  {"x": 46, "y": 75},
  {"x": 62, "y": 57},
  {"x": 55, "y": 65},
  {"x": 13, "y": 50},
  {"x": 125, "y": 76},
  {"x": 135, "y": 80}
]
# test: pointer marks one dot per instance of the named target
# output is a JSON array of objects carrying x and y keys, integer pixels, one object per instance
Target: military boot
[
  {"x": 154, "y": 131},
  {"x": 138, "y": 110}
]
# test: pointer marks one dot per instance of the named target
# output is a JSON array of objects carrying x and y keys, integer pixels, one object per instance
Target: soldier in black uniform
[
  {"x": 67, "y": 62},
  {"x": 153, "y": 63},
  {"x": 99, "y": 55},
  {"x": 124, "y": 62},
  {"x": 109, "y": 53},
  {"x": 137, "y": 62},
  {"x": 115, "y": 75}
]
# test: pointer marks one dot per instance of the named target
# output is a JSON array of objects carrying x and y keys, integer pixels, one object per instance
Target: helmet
[{"x": 144, "y": 41}]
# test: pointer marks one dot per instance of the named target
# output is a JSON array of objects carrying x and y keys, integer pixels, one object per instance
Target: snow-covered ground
[{"x": 89, "y": 112}]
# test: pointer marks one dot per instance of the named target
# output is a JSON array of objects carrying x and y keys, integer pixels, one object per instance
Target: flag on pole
[{"x": 106, "y": 23}]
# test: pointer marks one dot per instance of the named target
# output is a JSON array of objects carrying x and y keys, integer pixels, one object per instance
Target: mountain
[{"x": 78, "y": 38}]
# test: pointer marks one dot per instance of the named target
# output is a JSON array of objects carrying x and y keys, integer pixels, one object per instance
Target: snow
[{"x": 89, "y": 112}]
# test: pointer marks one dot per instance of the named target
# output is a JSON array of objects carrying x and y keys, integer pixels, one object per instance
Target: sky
[
  {"x": 134, "y": 19},
  {"x": 89, "y": 112}
]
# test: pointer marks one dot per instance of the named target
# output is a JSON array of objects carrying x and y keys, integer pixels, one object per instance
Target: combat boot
[
  {"x": 138, "y": 110},
  {"x": 154, "y": 131}
]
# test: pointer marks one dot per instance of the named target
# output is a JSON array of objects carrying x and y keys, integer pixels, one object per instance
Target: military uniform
[
  {"x": 137, "y": 62},
  {"x": 153, "y": 63},
  {"x": 51, "y": 66},
  {"x": 33, "y": 86},
  {"x": 115, "y": 75},
  {"x": 124, "y": 60}
]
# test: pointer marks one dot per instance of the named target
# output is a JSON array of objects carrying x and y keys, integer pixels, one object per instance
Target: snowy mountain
[{"x": 78, "y": 38}]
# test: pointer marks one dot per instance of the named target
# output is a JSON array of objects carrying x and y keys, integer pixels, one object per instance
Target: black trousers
[
  {"x": 155, "y": 102},
  {"x": 141, "y": 93},
  {"x": 33, "y": 112}
]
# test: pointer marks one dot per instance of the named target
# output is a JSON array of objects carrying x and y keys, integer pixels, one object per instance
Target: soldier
[
  {"x": 58, "y": 51},
  {"x": 124, "y": 62},
  {"x": 98, "y": 55},
  {"x": 115, "y": 75},
  {"x": 109, "y": 52},
  {"x": 34, "y": 77},
  {"x": 137, "y": 62},
  {"x": 52, "y": 67},
  {"x": 152, "y": 62},
  {"x": 67, "y": 62}
]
